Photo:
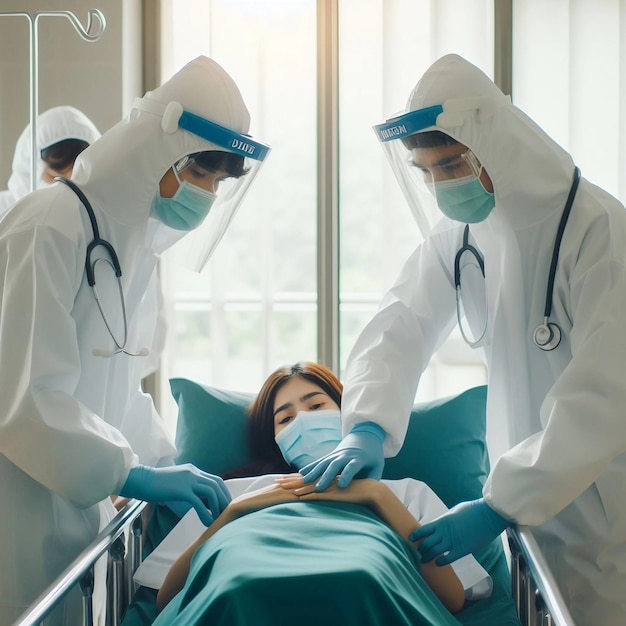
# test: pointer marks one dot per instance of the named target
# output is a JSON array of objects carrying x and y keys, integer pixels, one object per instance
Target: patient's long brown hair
[{"x": 266, "y": 455}]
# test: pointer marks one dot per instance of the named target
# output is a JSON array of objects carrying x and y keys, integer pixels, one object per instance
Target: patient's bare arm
[{"x": 371, "y": 493}]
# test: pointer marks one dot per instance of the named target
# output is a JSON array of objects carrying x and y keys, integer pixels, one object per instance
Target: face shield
[
  {"x": 234, "y": 174},
  {"x": 437, "y": 173},
  {"x": 393, "y": 135}
]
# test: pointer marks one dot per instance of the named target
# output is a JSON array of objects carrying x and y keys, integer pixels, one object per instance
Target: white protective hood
[{"x": 54, "y": 125}]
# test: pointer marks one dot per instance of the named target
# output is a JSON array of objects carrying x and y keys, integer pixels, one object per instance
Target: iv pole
[{"x": 85, "y": 33}]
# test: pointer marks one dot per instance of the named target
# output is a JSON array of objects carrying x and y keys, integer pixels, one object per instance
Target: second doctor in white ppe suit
[
  {"x": 75, "y": 427},
  {"x": 561, "y": 467}
]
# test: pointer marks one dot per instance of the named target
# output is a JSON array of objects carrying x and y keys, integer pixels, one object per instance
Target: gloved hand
[
  {"x": 466, "y": 527},
  {"x": 359, "y": 455},
  {"x": 178, "y": 483}
]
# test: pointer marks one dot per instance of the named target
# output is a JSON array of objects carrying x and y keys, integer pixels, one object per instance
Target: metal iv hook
[{"x": 85, "y": 33}]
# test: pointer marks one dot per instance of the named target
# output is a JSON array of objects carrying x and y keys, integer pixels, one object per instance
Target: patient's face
[{"x": 299, "y": 394}]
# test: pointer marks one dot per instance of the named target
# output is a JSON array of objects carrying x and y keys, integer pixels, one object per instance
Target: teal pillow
[
  {"x": 211, "y": 429},
  {"x": 444, "y": 447}
]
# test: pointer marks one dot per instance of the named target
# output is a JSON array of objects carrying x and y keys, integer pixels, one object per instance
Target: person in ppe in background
[
  {"x": 538, "y": 257},
  {"x": 75, "y": 427},
  {"x": 63, "y": 132}
]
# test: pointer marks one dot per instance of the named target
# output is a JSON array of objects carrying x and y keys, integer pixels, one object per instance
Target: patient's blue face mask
[
  {"x": 463, "y": 199},
  {"x": 310, "y": 436},
  {"x": 186, "y": 209}
]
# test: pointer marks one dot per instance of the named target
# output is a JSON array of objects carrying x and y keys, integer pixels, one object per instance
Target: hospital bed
[
  {"x": 221, "y": 439},
  {"x": 536, "y": 595},
  {"x": 121, "y": 542}
]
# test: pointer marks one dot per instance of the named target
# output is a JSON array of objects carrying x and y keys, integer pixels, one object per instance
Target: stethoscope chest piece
[{"x": 547, "y": 336}]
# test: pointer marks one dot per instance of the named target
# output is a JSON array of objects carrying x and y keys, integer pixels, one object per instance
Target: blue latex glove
[
  {"x": 183, "y": 483},
  {"x": 466, "y": 527},
  {"x": 359, "y": 455}
]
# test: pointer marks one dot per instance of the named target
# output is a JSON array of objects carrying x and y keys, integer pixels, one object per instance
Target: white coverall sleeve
[
  {"x": 44, "y": 430},
  {"x": 389, "y": 356},
  {"x": 583, "y": 415}
]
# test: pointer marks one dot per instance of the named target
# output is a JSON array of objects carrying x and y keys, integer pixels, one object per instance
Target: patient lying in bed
[{"x": 285, "y": 536}]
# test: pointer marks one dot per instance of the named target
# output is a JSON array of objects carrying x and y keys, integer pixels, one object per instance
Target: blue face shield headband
[
  {"x": 408, "y": 124},
  {"x": 224, "y": 137}
]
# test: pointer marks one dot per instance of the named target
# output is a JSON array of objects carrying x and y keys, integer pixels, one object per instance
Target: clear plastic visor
[
  {"x": 420, "y": 156},
  {"x": 230, "y": 188},
  {"x": 418, "y": 168},
  {"x": 195, "y": 249}
]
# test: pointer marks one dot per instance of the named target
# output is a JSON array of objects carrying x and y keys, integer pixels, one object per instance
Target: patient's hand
[
  {"x": 360, "y": 491},
  {"x": 260, "y": 499}
]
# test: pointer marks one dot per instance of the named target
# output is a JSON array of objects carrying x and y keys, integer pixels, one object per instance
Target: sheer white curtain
[{"x": 569, "y": 75}]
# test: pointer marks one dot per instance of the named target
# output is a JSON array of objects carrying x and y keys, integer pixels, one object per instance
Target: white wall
[{"x": 100, "y": 78}]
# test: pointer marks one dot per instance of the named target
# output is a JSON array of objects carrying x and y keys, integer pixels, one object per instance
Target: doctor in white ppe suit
[
  {"x": 62, "y": 133},
  {"x": 548, "y": 314},
  {"x": 75, "y": 427}
]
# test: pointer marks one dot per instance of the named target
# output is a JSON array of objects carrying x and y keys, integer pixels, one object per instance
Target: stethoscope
[
  {"x": 90, "y": 270},
  {"x": 547, "y": 335}
]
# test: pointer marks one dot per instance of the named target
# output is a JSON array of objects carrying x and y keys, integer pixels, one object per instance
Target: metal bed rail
[
  {"x": 124, "y": 550},
  {"x": 535, "y": 591}
]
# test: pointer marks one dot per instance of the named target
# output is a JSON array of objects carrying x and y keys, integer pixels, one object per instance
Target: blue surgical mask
[
  {"x": 310, "y": 436},
  {"x": 463, "y": 199},
  {"x": 186, "y": 209}
]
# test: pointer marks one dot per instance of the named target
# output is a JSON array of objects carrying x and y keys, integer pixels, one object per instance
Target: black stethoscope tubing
[
  {"x": 547, "y": 335},
  {"x": 120, "y": 347},
  {"x": 97, "y": 240}
]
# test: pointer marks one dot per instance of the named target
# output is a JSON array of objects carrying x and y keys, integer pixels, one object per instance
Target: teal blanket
[
  {"x": 306, "y": 564},
  {"x": 498, "y": 610}
]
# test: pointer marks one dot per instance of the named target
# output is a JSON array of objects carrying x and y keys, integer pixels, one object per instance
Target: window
[
  {"x": 255, "y": 307},
  {"x": 569, "y": 74}
]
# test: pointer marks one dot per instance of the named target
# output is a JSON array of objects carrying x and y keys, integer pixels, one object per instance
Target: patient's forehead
[{"x": 294, "y": 390}]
